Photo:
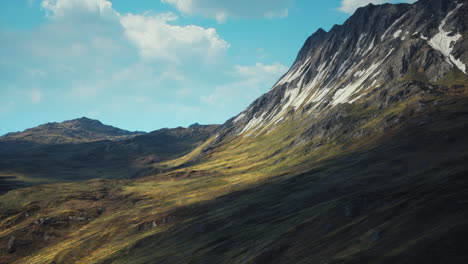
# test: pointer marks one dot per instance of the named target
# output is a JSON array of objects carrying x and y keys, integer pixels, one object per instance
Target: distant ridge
[{"x": 79, "y": 130}]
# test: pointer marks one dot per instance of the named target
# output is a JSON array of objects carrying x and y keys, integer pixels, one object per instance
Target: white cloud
[
  {"x": 277, "y": 14},
  {"x": 88, "y": 51},
  {"x": 224, "y": 9},
  {"x": 252, "y": 81},
  {"x": 78, "y": 8},
  {"x": 260, "y": 71},
  {"x": 153, "y": 34},
  {"x": 35, "y": 95},
  {"x": 349, "y": 6},
  {"x": 157, "y": 39}
]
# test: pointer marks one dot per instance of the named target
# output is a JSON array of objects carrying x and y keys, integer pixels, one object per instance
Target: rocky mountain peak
[
  {"x": 194, "y": 125},
  {"x": 377, "y": 48},
  {"x": 311, "y": 42},
  {"x": 85, "y": 119},
  {"x": 83, "y": 122},
  {"x": 71, "y": 131}
]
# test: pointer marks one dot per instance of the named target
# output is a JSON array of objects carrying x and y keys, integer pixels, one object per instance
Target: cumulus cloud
[
  {"x": 78, "y": 8},
  {"x": 259, "y": 72},
  {"x": 153, "y": 34},
  {"x": 252, "y": 81},
  {"x": 349, "y": 6},
  {"x": 156, "y": 38},
  {"x": 87, "y": 55},
  {"x": 224, "y": 9}
]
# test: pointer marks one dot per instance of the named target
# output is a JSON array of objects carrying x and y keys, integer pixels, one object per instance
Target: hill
[
  {"x": 78, "y": 130},
  {"x": 35, "y": 157}
]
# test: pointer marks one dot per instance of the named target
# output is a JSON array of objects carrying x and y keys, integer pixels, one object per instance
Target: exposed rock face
[
  {"x": 374, "y": 50},
  {"x": 11, "y": 245}
]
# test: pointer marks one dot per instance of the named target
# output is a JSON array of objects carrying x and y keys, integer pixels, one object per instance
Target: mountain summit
[
  {"x": 382, "y": 48},
  {"x": 78, "y": 130}
]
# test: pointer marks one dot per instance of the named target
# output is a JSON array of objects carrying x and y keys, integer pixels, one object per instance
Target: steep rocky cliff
[{"x": 381, "y": 49}]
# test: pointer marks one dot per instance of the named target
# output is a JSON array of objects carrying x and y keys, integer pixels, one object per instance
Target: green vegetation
[
  {"x": 376, "y": 185},
  {"x": 24, "y": 164}
]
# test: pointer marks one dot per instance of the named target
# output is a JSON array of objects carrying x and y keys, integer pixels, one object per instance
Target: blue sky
[{"x": 149, "y": 64}]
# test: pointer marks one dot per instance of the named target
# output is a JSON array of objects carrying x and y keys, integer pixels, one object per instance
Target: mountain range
[
  {"x": 83, "y": 149},
  {"x": 356, "y": 155},
  {"x": 78, "y": 130}
]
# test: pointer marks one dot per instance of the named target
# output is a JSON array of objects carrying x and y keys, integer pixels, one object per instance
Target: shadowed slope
[
  {"x": 384, "y": 198},
  {"x": 24, "y": 163}
]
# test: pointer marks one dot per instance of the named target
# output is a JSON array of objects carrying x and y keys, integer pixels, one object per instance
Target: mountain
[
  {"x": 83, "y": 149},
  {"x": 78, "y": 130},
  {"x": 356, "y": 155},
  {"x": 381, "y": 55}
]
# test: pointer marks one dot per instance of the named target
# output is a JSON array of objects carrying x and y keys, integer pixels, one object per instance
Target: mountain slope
[
  {"x": 398, "y": 199},
  {"x": 302, "y": 175},
  {"x": 378, "y": 48},
  {"x": 78, "y": 130},
  {"x": 90, "y": 153}
]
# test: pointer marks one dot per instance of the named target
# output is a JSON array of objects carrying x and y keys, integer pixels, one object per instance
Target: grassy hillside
[
  {"x": 376, "y": 185},
  {"x": 25, "y": 163}
]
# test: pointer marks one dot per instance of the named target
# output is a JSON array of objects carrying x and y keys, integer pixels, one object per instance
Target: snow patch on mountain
[
  {"x": 397, "y": 33},
  {"x": 294, "y": 73},
  {"x": 342, "y": 95},
  {"x": 339, "y": 69},
  {"x": 239, "y": 117},
  {"x": 392, "y": 26},
  {"x": 253, "y": 123},
  {"x": 444, "y": 42}
]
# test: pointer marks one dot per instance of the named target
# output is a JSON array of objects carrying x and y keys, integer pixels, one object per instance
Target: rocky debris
[
  {"x": 11, "y": 244},
  {"x": 155, "y": 223},
  {"x": 77, "y": 218},
  {"x": 45, "y": 221},
  {"x": 14, "y": 244},
  {"x": 65, "y": 220}
]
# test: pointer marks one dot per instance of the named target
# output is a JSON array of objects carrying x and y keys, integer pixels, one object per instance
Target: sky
[{"x": 149, "y": 64}]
